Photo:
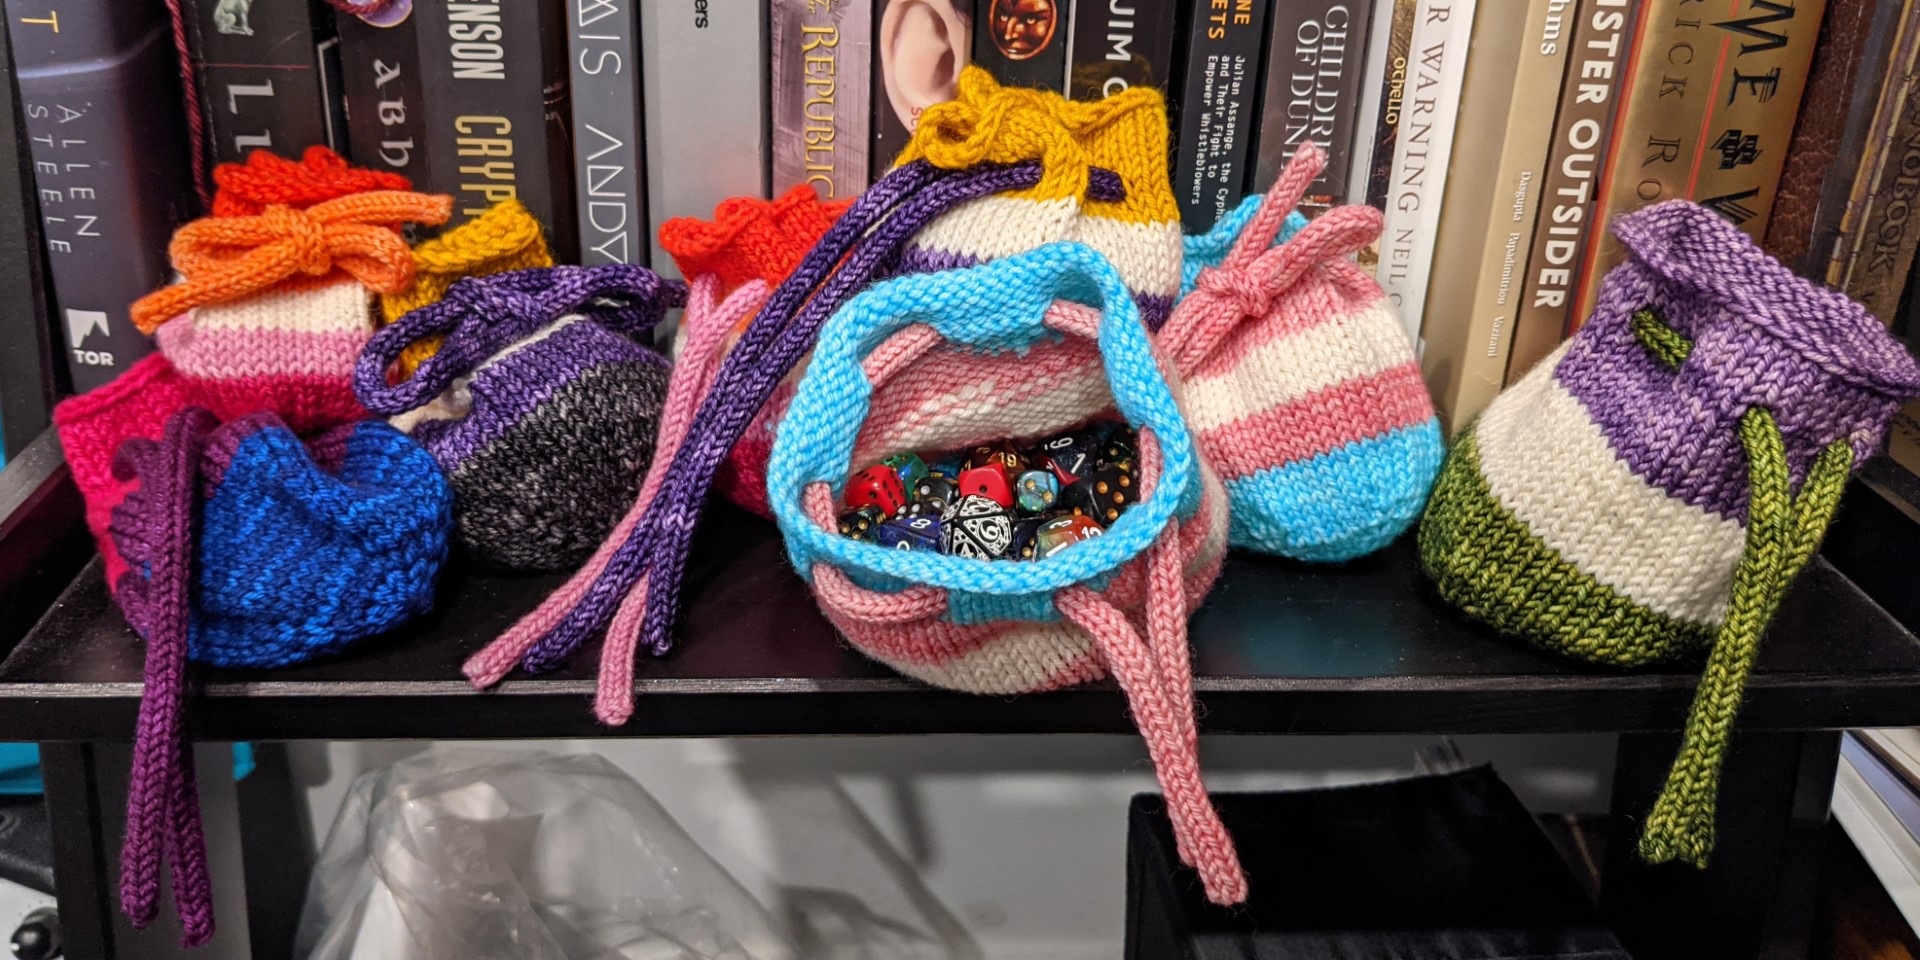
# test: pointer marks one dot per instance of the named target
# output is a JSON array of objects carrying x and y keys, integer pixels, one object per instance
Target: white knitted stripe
[
  {"x": 989, "y": 228},
  {"x": 1147, "y": 255},
  {"x": 1285, "y": 369},
  {"x": 330, "y": 308},
  {"x": 1548, "y": 462},
  {"x": 1026, "y": 657},
  {"x": 980, "y": 412}
]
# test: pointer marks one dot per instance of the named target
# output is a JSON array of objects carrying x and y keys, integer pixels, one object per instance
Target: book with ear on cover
[
  {"x": 725, "y": 113},
  {"x": 386, "y": 115},
  {"x": 496, "y": 79},
  {"x": 820, "y": 76},
  {"x": 1588, "y": 106},
  {"x": 609, "y": 185},
  {"x": 1023, "y": 43},
  {"x": 1116, "y": 44},
  {"x": 1316, "y": 55},
  {"x": 1422, "y": 152},
  {"x": 1217, "y": 95},
  {"x": 1873, "y": 255},
  {"x": 269, "y": 75},
  {"x": 100, "y": 102},
  {"x": 919, "y": 49},
  {"x": 1708, "y": 117},
  {"x": 1493, "y": 194}
]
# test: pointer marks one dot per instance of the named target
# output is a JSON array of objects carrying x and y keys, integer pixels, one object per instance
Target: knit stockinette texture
[
  {"x": 751, "y": 239},
  {"x": 546, "y": 418},
  {"x": 1301, "y": 384},
  {"x": 93, "y": 426},
  {"x": 266, "y": 179},
  {"x": 506, "y": 237},
  {"x": 1652, "y": 488}
]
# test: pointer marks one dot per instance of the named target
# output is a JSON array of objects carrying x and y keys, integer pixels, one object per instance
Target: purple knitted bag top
[
  {"x": 541, "y": 407},
  {"x": 1649, "y": 492}
]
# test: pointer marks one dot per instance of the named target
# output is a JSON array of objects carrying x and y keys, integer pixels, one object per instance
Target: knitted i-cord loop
[
  {"x": 163, "y": 805},
  {"x": 480, "y": 316},
  {"x": 781, "y": 332},
  {"x": 267, "y": 180},
  {"x": 505, "y": 237},
  {"x": 229, "y": 258}
]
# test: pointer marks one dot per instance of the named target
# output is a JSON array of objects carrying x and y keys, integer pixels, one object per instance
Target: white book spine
[
  {"x": 704, "y": 68},
  {"x": 604, "y": 49},
  {"x": 1436, "y": 71},
  {"x": 1366, "y": 120}
]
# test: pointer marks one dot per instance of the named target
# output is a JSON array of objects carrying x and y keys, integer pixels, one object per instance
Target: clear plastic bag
[{"x": 515, "y": 855}]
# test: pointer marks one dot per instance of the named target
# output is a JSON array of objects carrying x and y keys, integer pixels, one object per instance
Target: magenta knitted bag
[{"x": 1002, "y": 627}]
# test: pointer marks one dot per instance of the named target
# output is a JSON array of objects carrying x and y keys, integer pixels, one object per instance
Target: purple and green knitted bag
[
  {"x": 542, "y": 406},
  {"x": 1648, "y": 492}
]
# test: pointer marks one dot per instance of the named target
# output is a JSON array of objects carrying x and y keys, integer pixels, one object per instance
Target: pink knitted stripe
[
  {"x": 1311, "y": 305},
  {"x": 260, "y": 352},
  {"x": 92, "y": 427},
  {"x": 306, "y": 403},
  {"x": 1321, "y": 422},
  {"x": 1001, "y": 659}
]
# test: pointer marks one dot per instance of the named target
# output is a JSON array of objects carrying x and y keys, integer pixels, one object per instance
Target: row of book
[{"x": 1498, "y": 138}]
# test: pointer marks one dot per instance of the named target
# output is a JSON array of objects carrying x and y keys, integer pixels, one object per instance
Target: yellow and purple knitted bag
[{"x": 1649, "y": 491}]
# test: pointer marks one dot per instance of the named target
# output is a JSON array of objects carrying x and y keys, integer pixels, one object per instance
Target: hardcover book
[
  {"x": 1513, "y": 79},
  {"x": 1116, "y": 44},
  {"x": 1314, "y": 65},
  {"x": 725, "y": 113},
  {"x": 1023, "y": 43},
  {"x": 495, "y": 73},
  {"x": 919, "y": 49},
  {"x": 1873, "y": 255},
  {"x": 1751, "y": 108},
  {"x": 609, "y": 203},
  {"x": 1395, "y": 61},
  {"x": 1589, "y": 102},
  {"x": 101, "y": 103},
  {"x": 269, "y": 75},
  {"x": 1366, "y": 114},
  {"x": 1422, "y": 152},
  {"x": 386, "y": 116},
  {"x": 1217, "y": 101},
  {"x": 821, "y": 73}
]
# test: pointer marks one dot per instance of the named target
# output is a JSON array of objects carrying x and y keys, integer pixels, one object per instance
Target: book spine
[
  {"x": 1751, "y": 109},
  {"x": 268, "y": 76},
  {"x": 1217, "y": 109},
  {"x": 1023, "y": 43},
  {"x": 1513, "y": 78},
  {"x": 386, "y": 117},
  {"x": 1589, "y": 102},
  {"x": 1880, "y": 238},
  {"x": 820, "y": 67},
  {"x": 609, "y": 188},
  {"x": 495, "y": 75},
  {"x": 919, "y": 50},
  {"x": 1422, "y": 152},
  {"x": 1366, "y": 117},
  {"x": 1116, "y": 44},
  {"x": 101, "y": 106},
  {"x": 706, "y": 140},
  {"x": 1393, "y": 92},
  {"x": 1312, "y": 92},
  {"x": 1868, "y": 131}
]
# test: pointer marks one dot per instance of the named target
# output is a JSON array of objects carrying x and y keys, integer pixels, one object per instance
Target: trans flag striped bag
[
  {"x": 1002, "y": 626},
  {"x": 1301, "y": 386}
]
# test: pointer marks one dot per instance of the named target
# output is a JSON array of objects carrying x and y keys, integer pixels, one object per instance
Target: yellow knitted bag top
[{"x": 506, "y": 237}]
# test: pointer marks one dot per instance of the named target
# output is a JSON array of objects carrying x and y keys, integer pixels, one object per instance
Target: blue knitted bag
[{"x": 1011, "y": 626}]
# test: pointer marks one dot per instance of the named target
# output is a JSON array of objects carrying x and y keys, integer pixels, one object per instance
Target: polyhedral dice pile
[{"x": 996, "y": 501}]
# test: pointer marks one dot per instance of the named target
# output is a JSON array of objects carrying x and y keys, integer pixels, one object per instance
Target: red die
[
  {"x": 988, "y": 480},
  {"x": 876, "y": 486}
]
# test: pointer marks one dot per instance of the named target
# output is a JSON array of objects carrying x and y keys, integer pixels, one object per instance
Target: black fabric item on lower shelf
[{"x": 1446, "y": 867}]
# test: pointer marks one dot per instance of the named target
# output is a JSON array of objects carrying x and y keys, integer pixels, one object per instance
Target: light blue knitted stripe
[
  {"x": 994, "y": 306},
  {"x": 1341, "y": 504},
  {"x": 1210, "y": 249}
]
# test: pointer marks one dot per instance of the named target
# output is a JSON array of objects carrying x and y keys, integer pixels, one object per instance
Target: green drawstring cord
[{"x": 1782, "y": 531}]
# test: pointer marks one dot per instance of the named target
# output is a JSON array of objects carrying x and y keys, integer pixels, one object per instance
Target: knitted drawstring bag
[
  {"x": 1301, "y": 385},
  {"x": 273, "y": 309},
  {"x": 1649, "y": 491},
  {"x": 507, "y": 236},
  {"x": 1095, "y": 172},
  {"x": 1003, "y": 627},
  {"x": 541, "y": 406},
  {"x": 245, "y": 548},
  {"x": 750, "y": 239}
]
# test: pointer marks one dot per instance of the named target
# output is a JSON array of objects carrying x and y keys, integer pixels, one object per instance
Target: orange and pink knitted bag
[
  {"x": 925, "y": 342},
  {"x": 1302, "y": 387}
]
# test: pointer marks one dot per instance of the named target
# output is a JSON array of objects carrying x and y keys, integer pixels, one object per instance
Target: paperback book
[
  {"x": 609, "y": 188},
  {"x": 386, "y": 116},
  {"x": 919, "y": 49},
  {"x": 1023, "y": 43},
  {"x": 269, "y": 75},
  {"x": 820, "y": 77},
  {"x": 1116, "y": 44},
  {"x": 1314, "y": 66},
  {"x": 1217, "y": 102}
]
